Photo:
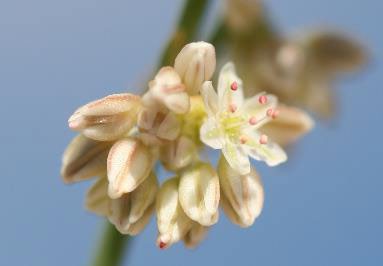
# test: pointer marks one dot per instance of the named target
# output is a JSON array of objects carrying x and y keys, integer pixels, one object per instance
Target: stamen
[
  {"x": 275, "y": 113},
  {"x": 232, "y": 107},
  {"x": 162, "y": 245},
  {"x": 243, "y": 139},
  {"x": 262, "y": 99},
  {"x": 270, "y": 112},
  {"x": 263, "y": 139},
  {"x": 234, "y": 86},
  {"x": 252, "y": 120}
]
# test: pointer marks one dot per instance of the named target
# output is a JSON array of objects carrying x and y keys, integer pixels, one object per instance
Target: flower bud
[
  {"x": 108, "y": 118},
  {"x": 97, "y": 200},
  {"x": 288, "y": 126},
  {"x": 129, "y": 163},
  {"x": 178, "y": 154},
  {"x": 195, "y": 64},
  {"x": 167, "y": 89},
  {"x": 172, "y": 222},
  {"x": 199, "y": 193},
  {"x": 131, "y": 212},
  {"x": 195, "y": 235},
  {"x": 84, "y": 158},
  {"x": 158, "y": 125},
  {"x": 242, "y": 195}
]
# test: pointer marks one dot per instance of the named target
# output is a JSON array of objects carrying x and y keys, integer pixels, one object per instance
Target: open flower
[{"x": 233, "y": 123}]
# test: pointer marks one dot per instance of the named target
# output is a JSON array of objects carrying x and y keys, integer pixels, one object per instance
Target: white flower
[{"x": 233, "y": 122}]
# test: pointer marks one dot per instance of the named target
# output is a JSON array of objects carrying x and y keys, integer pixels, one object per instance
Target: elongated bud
[
  {"x": 129, "y": 163},
  {"x": 131, "y": 212},
  {"x": 172, "y": 222},
  {"x": 195, "y": 64},
  {"x": 158, "y": 126},
  {"x": 84, "y": 158},
  {"x": 195, "y": 235},
  {"x": 108, "y": 118},
  {"x": 291, "y": 124},
  {"x": 167, "y": 89},
  {"x": 97, "y": 199},
  {"x": 178, "y": 154},
  {"x": 199, "y": 193},
  {"x": 242, "y": 195}
]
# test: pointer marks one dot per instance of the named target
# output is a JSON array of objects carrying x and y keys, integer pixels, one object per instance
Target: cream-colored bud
[
  {"x": 167, "y": 89},
  {"x": 195, "y": 235},
  {"x": 84, "y": 158},
  {"x": 97, "y": 200},
  {"x": 178, "y": 154},
  {"x": 242, "y": 195},
  {"x": 290, "y": 124},
  {"x": 129, "y": 163},
  {"x": 172, "y": 222},
  {"x": 131, "y": 212},
  {"x": 159, "y": 125},
  {"x": 199, "y": 193},
  {"x": 108, "y": 118},
  {"x": 195, "y": 64}
]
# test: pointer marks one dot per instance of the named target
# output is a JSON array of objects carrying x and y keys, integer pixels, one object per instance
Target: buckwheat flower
[
  {"x": 178, "y": 154},
  {"x": 108, "y": 118},
  {"x": 242, "y": 195},
  {"x": 129, "y": 164},
  {"x": 195, "y": 64},
  {"x": 131, "y": 212},
  {"x": 173, "y": 224},
  {"x": 84, "y": 158},
  {"x": 233, "y": 123},
  {"x": 199, "y": 193}
]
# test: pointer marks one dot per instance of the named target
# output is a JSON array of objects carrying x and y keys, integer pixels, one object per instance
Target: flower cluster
[{"x": 124, "y": 137}]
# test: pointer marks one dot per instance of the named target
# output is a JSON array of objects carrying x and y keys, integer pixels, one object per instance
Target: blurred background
[{"x": 323, "y": 208}]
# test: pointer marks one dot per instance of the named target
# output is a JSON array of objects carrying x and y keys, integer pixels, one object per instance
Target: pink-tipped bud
[
  {"x": 262, "y": 99},
  {"x": 263, "y": 139},
  {"x": 252, "y": 120},
  {"x": 234, "y": 86},
  {"x": 233, "y": 107},
  {"x": 162, "y": 245}
]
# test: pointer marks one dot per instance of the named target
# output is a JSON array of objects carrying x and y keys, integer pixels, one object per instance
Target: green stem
[
  {"x": 113, "y": 245},
  {"x": 186, "y": 30}
]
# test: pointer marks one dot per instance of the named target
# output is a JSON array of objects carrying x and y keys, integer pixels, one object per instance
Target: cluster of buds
[{"x": 125, "y": 137}]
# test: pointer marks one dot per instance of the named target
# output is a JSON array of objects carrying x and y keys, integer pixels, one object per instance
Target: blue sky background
[{"x": 323, "y": 208}]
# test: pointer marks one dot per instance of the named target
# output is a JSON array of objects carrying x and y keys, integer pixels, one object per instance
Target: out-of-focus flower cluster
[
  {"x": 124, "y": 137},
  {"x": 300, "y": 70}
]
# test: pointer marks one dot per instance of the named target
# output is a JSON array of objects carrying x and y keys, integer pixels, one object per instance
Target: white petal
[
  {"x": 210, "y": 98},
  {"x": 227, "y": 96},
  {"x": 97, "y": 200},
  {"x": 271, "y": 153},
  {"x": 210, "y": 134},
  {"x": 236, "y": 157}
]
